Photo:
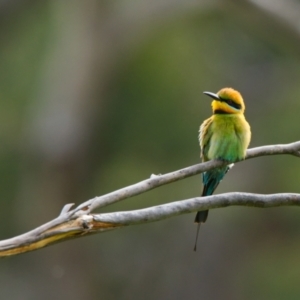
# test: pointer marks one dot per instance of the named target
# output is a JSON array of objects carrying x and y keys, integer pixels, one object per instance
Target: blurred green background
[{"x": 97, "y": 95}]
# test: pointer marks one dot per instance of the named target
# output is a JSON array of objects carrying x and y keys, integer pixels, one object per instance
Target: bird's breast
[{"x": 229, "y": 137}]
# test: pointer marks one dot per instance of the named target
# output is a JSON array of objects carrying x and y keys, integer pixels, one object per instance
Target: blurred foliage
[{"x": 101, "y": 94}]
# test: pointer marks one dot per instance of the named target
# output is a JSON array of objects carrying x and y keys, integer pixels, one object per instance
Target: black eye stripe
[{"x": 231, "y": 103}]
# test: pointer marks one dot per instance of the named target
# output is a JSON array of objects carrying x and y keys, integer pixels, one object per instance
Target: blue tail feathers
[{"x": 211, "y": 180}]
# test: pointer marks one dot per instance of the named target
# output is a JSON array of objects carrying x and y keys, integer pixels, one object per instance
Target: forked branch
[{"x": 80, "y": 221}]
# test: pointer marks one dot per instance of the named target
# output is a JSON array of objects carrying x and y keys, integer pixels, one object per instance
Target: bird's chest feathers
[{"x": 227, "y": 138}]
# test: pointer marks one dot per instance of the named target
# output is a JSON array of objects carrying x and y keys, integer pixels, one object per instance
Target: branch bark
[{"x": 80, "y": 221}]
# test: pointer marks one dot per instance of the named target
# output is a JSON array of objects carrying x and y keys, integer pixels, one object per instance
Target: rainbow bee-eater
[{"x": 224, "y": 136}]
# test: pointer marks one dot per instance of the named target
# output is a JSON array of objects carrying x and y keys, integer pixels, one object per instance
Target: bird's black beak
[{"x": 212, "y": 95}]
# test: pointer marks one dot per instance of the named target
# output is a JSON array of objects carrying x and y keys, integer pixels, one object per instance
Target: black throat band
[{"x": 220, "y": 112}]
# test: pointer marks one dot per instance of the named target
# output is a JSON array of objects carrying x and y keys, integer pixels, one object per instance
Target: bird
[{"x": 225, "y": 136}]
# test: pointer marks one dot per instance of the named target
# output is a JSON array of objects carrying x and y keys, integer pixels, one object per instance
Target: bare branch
[
  {"x": 90, "y": 224},
  {"x": 79, "y": 221},
  {"x": 292, "y": 148},
  {"x": 160, "y": 212},
  {"x": 159, "y": 180}
]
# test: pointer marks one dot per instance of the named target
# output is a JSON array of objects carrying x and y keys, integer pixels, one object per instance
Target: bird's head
[{"x": 227, "y": 101}]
